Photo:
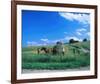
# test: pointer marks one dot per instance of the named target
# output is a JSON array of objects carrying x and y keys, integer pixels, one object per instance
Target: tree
[
  {"x": 71, "y": 41},
  {"x": 84, "y": 40}
]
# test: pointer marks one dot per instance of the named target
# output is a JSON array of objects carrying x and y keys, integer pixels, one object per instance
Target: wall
[{"x": 5, "y": 43}]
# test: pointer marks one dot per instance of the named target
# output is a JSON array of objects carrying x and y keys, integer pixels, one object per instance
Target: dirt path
[{"x": 43, "y": 71}]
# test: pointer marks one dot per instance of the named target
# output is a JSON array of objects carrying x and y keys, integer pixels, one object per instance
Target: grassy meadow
[{"x": 32, "y": 60}]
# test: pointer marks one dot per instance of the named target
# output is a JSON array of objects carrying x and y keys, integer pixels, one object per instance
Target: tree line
[{"x": 76, "y": 41}]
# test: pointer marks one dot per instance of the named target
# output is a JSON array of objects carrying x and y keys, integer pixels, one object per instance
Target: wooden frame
[{"x": 14, "y": 41}]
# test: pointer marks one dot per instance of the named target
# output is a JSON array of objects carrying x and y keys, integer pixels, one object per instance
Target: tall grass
[
  {"x": 31, "y": 60},
  {"x": 54, "y": 62}
]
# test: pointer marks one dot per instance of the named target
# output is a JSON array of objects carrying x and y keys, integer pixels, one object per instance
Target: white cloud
[
  {"x": 54, "y": 41},
  {"x": 88, "y": 33},
  {"x": 81, "y": 30},
  {"x": 45, "y": 40},
  {"x": 32, "y": 43},
  {"x": 78, "y": 33},
  {"x": 49, "y": 42},
  {"x": 44, "y": 44},
  {"x": 82, "y": 18}
]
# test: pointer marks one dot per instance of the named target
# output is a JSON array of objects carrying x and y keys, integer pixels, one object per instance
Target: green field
[{"x": 32, "y": 60}]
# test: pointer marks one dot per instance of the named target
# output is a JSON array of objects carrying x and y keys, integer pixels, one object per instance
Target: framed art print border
[{"x": 14, "y": 41}]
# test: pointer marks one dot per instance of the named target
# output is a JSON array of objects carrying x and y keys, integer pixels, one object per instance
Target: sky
[{"x": 48, "y": 27}]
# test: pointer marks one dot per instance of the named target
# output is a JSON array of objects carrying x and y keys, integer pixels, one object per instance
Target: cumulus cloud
[
  {"x": 79, "y": 33},
  {"x": 45, "y": 40},
  {"x": 31, "y": 42},
  {"x": 81, "y": 30},
  {"x": 88, "y": 33},
  {"x": 82, "y": 18}
]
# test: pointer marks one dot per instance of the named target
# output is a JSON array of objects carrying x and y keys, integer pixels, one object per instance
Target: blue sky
[{"x": 47, "y": 27}]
